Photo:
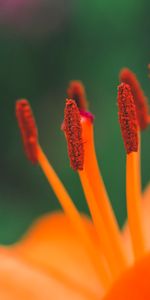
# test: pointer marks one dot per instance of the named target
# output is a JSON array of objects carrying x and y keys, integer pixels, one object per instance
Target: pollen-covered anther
[
  {"x": 73, "y": 132},
  {"x": 76, "y": 91},
  {"x": 140, "y": 99},
  {"x": 128, "y": 118},
  {"x": 28, "y": 129}
]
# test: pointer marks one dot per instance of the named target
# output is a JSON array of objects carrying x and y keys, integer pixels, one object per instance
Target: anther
[
  {"x": 140, "y": 99},
  {"x": 127, "y": 118},
  {"x": 76, "y": 91},
  {"x": 28, "y": 129},
  {"x": 73, "y": 131}
]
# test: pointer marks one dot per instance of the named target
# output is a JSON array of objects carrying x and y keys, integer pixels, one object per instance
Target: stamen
[
  {"x": 141, "y": 104},
  {"x": 128, "y": 123},
  {"x": 101, "y": 199},
  {"x": 94, "y": 189},
  {"x": 73, "y": 131},
  {"x": 28, "y": 129},
  {"x": 127, "y": 118},
  {"x": 76, "y": 91},
  {"x": 140, "y": 99}
]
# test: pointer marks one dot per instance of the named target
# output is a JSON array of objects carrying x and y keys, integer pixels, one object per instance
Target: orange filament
[
  {"x": 105, "y": 244},
  {"x": 92, "y": 171},
  {"x": 76, "y": 91},
  {"x": 140, "y": 99},
  {"x": 127, "y": 118},
  {"x": 28, "y": 129},
  {"x": 134, "y": 209},
  {"x": 139, "y": 162},
  {"x": 73, "y": 131},
  {"x": 74, "y": 216}
]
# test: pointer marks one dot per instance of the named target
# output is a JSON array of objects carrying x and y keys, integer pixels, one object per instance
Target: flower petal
[
  {"x": 134, "y": 284},
  {"x": 19, "y": 281},
  {"x": 52, "y": 244}
]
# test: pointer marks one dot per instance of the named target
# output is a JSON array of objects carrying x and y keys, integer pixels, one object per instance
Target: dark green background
[{"x": 95, "y": 40}]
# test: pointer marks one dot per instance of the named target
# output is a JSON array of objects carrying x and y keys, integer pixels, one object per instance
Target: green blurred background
[{"x": 43, "y": 45}]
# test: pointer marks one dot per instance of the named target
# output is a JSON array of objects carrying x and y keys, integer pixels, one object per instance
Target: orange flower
[{"x": 66, "y": 255}]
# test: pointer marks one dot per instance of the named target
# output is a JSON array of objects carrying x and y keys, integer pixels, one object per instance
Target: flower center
[{"x": 109, "y": 259}]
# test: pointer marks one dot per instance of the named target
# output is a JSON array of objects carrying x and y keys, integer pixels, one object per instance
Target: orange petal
[
  {"x": 134, "y": 284},
  {"x": 19, "y": 281},
  {"x": 53, "y": 246},
  {"x": 146, "y": 222}
]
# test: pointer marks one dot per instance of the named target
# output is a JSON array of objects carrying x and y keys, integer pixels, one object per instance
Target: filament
[
  {"x": 134, "y": 208},
  {"x": 74, "y": 216},
  {"x": 105, "y": 210}
]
